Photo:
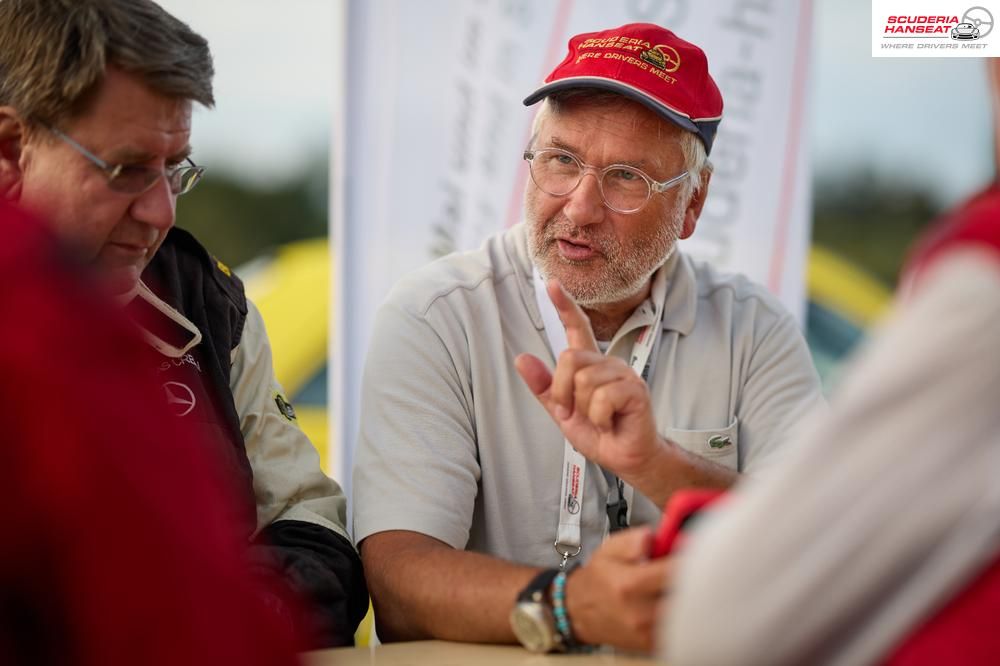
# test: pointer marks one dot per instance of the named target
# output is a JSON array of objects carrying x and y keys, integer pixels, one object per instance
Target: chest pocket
[{"x": 718, "y": 445}]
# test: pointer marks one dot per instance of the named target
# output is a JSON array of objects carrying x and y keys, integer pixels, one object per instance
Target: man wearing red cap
[{"x": 480, "y": 472}]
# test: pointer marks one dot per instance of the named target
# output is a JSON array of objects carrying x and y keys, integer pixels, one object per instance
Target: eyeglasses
[
  {"x": 136, "y": 179},
  {"x": 623, "y": 189}
]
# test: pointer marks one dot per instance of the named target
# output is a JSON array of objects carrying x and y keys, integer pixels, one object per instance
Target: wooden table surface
[{"x": 444, "y": 653}]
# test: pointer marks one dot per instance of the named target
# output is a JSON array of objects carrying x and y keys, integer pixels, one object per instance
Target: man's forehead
[
  {"x": 636, "y": 132},
  {"x": 620, "y": 116},
  {"x": 122, "y": 97},
  {"x": 131, "y": 154},
  {"x": 127, "y": 121}
]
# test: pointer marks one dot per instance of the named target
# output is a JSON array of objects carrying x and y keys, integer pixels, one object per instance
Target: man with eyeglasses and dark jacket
[
  {"x": 482, "y": 476},
  {"x": 95, "y": 122}
]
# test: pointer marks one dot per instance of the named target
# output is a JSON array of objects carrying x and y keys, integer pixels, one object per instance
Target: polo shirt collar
[
  {"x": 644, "y": 315},
  {"x": 681, "y": 305},
  {"x": 517, "y": 253}
]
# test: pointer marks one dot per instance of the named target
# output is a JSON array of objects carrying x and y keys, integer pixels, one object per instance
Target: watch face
[{"x": 531, "y": 626}]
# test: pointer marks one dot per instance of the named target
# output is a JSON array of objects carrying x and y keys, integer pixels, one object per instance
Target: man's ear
[
  {"x": 12, "y": 135},
  {"x": 693, "y": 211}
]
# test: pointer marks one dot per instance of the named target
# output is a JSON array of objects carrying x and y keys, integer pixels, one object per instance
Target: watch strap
[{"x": 538, "y": 585}]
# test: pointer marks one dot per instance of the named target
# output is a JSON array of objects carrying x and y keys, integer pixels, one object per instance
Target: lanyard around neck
[{"x": 574, "y": 472}]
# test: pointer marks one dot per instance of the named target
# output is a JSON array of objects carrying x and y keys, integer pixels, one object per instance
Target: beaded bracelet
[{"x": 559, "y": 608}]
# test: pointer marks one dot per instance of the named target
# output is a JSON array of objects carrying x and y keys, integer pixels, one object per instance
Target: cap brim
[{"x": 618, "y": 87}]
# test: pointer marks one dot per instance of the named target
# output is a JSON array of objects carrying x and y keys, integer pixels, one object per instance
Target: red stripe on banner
[
  {"x": 791, "y": 150},
  {"x": 552, "y": 58}
]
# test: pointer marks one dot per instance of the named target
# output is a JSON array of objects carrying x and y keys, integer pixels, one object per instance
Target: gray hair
[{"x": 54, "y": 53}]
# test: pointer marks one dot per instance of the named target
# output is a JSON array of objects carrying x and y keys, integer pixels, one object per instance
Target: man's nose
[
  {"x": 584, "y": 205},
  {"x": 156, "y": 206}
]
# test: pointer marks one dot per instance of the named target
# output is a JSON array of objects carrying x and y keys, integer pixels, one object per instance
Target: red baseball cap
[{"x": 648, "y": 64}]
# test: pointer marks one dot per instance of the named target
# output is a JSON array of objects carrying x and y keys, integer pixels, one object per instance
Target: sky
[
  {"x": 923, "y": 121},
  {"x": 275, "y": 65}
]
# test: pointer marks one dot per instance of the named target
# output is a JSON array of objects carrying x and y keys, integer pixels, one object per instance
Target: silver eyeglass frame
[
  {"x": 112, "y": 171},
  {"x": 654, "y": 186}
]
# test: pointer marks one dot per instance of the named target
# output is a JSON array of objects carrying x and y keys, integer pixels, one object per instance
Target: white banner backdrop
[{"x": 428, "y": 159}]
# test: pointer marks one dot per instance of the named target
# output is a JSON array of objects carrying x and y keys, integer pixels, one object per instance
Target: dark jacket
[{"x": 319, "y": 564}]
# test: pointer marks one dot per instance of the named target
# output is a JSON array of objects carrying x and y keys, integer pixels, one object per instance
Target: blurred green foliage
[
  {"x": 871, "y": 223},
  {"x": 238, "y": 221}
]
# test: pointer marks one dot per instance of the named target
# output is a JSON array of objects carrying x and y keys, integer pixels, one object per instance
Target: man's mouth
[
  {"x": 576, "y": 249},
  {"x": 128, "y": 251}
]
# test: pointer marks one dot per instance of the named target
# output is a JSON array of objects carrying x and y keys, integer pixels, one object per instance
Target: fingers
[
  {"x": 612, "y": 399},
  {"x": 650, "y": 580},
  {"x": 627, "y": 545},
  {"x": 633, "y": 588},
  {"x": 578, "y": 376},
  {"x": 616, "y": 596},
  {"x": 579, "y": 334},
  {"x": 564, "y": 379},
  {"x": 535, "y": 374}
]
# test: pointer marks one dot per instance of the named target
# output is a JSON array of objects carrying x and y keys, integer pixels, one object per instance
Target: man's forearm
[
  {"x": 423, "y": 588},
  {"x": 674, "y": 468}
]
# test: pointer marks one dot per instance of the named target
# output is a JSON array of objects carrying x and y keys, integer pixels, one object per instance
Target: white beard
[{"x": 628, "y": 268}]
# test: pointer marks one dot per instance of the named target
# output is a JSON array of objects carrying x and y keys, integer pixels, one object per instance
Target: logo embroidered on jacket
[
  {"x": 284, "y": 407},
  {"x": 180, "y": 397}
]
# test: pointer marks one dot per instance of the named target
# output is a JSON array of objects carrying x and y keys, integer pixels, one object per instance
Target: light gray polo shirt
[{"x": 454, "y": 445}]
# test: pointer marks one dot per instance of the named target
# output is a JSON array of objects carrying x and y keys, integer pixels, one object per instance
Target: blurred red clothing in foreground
[
  {"x": 963, "y": 630},
  {"x": 116, "y": 545}
]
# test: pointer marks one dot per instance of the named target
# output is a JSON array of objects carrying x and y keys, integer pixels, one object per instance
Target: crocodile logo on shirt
[{"x": 720, "y": 441}]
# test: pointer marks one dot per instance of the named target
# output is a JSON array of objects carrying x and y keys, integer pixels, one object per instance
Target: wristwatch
[{"x": 532, "y": 619}]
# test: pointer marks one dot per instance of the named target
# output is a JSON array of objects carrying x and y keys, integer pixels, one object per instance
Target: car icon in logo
[{"x": 965, "y": 31}]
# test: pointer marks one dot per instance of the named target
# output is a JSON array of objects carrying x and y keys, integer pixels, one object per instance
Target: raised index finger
[{"x": 579, "y": 334}]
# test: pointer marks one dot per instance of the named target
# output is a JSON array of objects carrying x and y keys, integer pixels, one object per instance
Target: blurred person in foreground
[
  {"x": 878, "y": 540},
  {"x": 95, "y": 121},
  {"x": 102, "y": 560},
  {"x": 482, "y": 477}
]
